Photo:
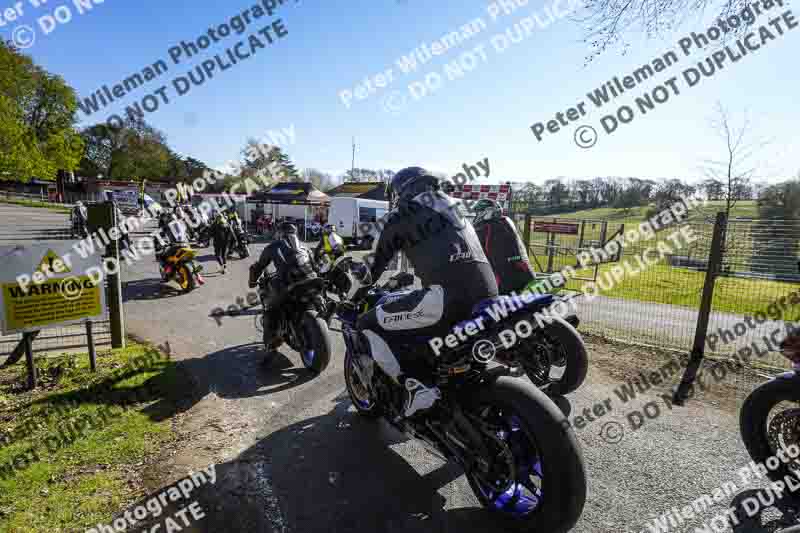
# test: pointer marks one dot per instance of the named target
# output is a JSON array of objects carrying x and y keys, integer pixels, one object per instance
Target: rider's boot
[{"x": 419, "y": 397}]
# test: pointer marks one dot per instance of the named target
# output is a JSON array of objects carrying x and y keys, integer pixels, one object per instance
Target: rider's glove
[{"x": 361, "y": 293}]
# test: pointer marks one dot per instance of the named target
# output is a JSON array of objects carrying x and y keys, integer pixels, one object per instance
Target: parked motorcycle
[
  {"x": 770, "y": 417},
  {"x": 520, "y": 456},
  {"x": 296, "y": 319},
  {"x": 176, "y": 263}
]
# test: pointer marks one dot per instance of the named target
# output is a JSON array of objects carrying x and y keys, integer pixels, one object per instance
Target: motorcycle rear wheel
[
  {"x": 570, "y": 353},
  {"x": 545, "y": 489}
]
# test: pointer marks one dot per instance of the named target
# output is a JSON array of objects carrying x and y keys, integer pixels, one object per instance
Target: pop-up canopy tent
[{"x": 291, "y": 199}]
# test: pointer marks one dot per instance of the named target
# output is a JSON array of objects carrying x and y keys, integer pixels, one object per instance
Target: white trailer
[{"x": 352, "y": 216}]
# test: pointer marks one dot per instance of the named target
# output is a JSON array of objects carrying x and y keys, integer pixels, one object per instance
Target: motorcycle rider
[
  {"x": 221, "y": 235},
  {"x": 443, "y": 248},
  {"x": 330, "y": 244},
  {"x": 503, "y": 247},
  {"x": 292, "y": 264},
  {"x": 81, "y": 217}
]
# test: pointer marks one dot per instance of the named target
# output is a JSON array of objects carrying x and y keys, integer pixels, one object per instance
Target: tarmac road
[
  {"x": 312, "y": 465},
  {"x": 292, "y": 455}
]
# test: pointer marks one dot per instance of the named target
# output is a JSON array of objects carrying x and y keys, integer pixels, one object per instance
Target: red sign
[{"x": 555, "y": 227}]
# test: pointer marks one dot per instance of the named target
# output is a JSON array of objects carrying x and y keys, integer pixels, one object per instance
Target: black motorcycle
[
  {"x": 519, "y": 454},
  {"x": 295, "y": 317},
  {"x": 338, "y": 282}
]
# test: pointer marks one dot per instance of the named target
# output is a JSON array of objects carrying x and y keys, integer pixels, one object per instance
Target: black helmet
[
  {"x": 410, "y": 182},
  {"x": 487, "y": 209},
  {"x": 286, "y": 229}
]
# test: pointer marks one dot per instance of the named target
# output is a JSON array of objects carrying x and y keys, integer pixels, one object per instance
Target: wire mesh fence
[{"x": 658, "y": 302}]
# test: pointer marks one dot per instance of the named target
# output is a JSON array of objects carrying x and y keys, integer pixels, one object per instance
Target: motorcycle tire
[
  {"x": 753, "y": 421},
  {"x": 317, "y": 338},
  {"x": 359, "y": 395},
  {"x": 569, "y": 342},
  {"x": 559, "y": 456},
  {"x": 185, "y": 278},
  {"x": 244, "y": 251}
]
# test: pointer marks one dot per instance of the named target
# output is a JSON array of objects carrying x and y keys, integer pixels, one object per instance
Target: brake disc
[{"x": 784, "y": 429}]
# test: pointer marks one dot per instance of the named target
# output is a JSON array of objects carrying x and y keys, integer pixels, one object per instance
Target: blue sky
[{"x": 333, "y": 46}]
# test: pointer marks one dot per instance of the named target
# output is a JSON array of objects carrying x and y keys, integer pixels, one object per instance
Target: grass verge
[
  {"x": 34, "y": 203},
  {"x": 68, "y": 449}
]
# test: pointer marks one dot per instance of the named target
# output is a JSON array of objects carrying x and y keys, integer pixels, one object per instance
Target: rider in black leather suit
[{"x": 443, "y": 248}]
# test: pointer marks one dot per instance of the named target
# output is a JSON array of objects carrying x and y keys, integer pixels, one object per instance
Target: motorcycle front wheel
[
  {"x": 533, "y": 477},
  {"x": 315, "y": 347}
]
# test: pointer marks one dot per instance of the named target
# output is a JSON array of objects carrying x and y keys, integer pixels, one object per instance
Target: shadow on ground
[{"x": 332, "y": 473}]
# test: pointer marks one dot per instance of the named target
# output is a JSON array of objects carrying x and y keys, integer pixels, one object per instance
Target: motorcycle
[
  {"x": 520, "y": 456},
  {"x": 296, "y": 319},
  {"x": 553, "y": 357},
  {"x": 770, "y": 418},
  {"x": 176, "y": 263},
  {"x": 338, "y": 282},
  {"x": 239, "y": 239}
]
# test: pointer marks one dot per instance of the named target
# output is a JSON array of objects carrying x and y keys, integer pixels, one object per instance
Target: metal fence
[{"x": 660, "y": 305}]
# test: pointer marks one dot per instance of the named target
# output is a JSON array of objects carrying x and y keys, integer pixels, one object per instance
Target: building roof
[
  {"x": 369, "y": 190},
  {"x": 291, "y": 193}
]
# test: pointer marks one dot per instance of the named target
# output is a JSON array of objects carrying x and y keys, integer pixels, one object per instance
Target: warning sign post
[{"x": 58, "y": 291}]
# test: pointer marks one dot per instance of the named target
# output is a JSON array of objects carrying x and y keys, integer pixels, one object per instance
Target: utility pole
[{"x": 353, "y": 165}]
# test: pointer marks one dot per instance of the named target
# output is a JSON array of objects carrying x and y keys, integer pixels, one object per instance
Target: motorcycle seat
[{"x": 503, "y": 300}]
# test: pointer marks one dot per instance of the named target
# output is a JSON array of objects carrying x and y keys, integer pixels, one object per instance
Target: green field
[
  {"x": 743, "y": 209},
  {"x": 663, "y": 283}
]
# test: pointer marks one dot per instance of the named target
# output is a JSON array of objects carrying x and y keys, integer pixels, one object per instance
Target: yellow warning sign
[
  {"x": 53, "y": 264},
  {"x": 51, "y": 302}
]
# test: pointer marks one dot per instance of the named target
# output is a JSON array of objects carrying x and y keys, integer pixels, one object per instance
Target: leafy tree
[
  {"x": 134, "y": 149},
  {"x": 321, "y": 180},
  {"x": 39, "y": 111}
]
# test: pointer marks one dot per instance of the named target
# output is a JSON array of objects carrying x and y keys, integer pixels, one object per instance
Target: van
[{"x": 352, "y": 216}]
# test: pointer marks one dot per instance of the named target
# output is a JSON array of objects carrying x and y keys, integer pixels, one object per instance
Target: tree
[
  {"x": 321, "y": 180},
  {"x": 671, "y": 191},
  {"x": 733, "y": 171},
  {"x": 135, "y": 149},
  {"x": 606, "y": 22},
  {"x": 556, "y": 192},
  {"x": 713, "y": 189},
  {"x": 39, "y": 111}
]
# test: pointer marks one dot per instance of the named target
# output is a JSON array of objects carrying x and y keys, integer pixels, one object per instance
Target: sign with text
[
  {"x": 58, "y": 290},
  {"x": 565, "y": 228}
]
